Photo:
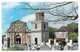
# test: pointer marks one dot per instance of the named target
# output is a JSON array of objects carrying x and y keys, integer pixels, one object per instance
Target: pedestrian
[
  {"x": 33, "y": 48},
  {"x": 65, "y": 46},
  {"x": 60, "y": 47},
  {"x": 38, "y": 47},
  {"x": 30, "y": 47},
  {"x": 53, "y": 48}
]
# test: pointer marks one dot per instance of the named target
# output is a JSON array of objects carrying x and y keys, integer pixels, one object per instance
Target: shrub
[
  {"x": 16, "y": 48},
  {"x": 13, "y": 48},
  {"x": 73, "y": 37}
]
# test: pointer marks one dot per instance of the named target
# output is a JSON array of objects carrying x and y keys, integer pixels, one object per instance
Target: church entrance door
[
  {"x": 36, "y": 40},
  {"x": 18, "y": 39}
]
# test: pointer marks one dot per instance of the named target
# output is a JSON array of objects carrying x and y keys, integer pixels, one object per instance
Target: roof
[
  {"x": 19, "y": 25},
  {"x": 64, "y": 29},
  {"x": 18, "y": 21}
]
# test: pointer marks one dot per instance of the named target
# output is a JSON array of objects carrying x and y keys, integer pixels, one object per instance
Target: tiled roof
[{"x": 64, "y": 29}]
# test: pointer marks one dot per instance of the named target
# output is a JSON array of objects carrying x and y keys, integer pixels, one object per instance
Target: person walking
[
  {"x": 53, "y": 48},
  {"x": 65, "y": 46},
  {"x": 38, "y": 47},
  {"x": 29, "y": 47},
  {"x": 33, "y": 47}
]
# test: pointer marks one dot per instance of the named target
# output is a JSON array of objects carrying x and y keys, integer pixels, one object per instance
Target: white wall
[
  {"x": 38, "y": 26},
  {"x": 61, "y": 34},
  {"x": 36, "y": 35}
]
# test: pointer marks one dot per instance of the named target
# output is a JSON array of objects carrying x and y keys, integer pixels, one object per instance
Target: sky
[{"x": 11, "y": 11}]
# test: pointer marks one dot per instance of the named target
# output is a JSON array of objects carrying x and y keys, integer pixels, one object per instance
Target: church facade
[{"x": 19, "y": 34}]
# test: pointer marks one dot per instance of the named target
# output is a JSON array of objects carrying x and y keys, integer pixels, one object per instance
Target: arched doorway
[
  {"x": 18, "y": 39},
  {"x": 36, "y": 40}
]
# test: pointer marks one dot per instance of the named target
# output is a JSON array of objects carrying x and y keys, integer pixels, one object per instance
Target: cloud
[
  {"x": 10, "y": 5},
  {"x": 55, "y": 25},
  {"x": 34, "y": 3},
  {"x": 11, "y": 17},
  {"x": 28, "y": 18}
]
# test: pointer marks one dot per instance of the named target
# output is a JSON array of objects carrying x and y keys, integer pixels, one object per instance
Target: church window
[
  {"x": 35, "y": 26},
  {"x": 44, "y": 26},
  {"x": 42, "y": 14},
  {"x": 37, "y": 16},
  {"x": 13, "y": 28}
]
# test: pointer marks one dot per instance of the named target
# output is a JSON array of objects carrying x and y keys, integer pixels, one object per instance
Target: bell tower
[
  {"x": 39, "y": 15},
  {"x": 39, "y": 29}
]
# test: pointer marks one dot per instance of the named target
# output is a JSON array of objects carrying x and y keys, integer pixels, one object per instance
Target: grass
[{"x": 15, "y": 48}]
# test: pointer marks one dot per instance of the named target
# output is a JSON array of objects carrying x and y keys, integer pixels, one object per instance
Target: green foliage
[
  {"x": 73, "y": 37},
  {"x": 73, "y": 26},
  {"x": 15, "y": 48},
  {"x": 51, "y": 32}
]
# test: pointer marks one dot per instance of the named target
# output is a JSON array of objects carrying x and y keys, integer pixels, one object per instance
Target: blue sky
[{"x": 11, "y": 12}]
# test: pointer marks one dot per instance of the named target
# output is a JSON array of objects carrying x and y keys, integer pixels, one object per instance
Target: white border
[
  {"x": 36, "y": 0},
  {"x": 39, "y": 1}
]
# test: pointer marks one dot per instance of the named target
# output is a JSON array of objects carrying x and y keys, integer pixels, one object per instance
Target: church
[{"x": 19, "y": 34}]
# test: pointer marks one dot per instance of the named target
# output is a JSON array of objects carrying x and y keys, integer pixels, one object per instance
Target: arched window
[{"x": 37, "y": 16}]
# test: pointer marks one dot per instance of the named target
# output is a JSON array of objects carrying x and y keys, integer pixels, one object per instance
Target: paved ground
[
  {"x": 75, "y": 47},
  {"x": 41, "y": 48},
  {"x": 45, "y": 48}
]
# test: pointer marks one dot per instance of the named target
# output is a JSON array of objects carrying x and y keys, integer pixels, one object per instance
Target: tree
[
  {"x": 51, "y": 32},
  {"x": 59, "y": 8},
  {"x": 73, "y": 37},
  {"x": 73, "y": 26},
  {"x": 60, "y": 11}
]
